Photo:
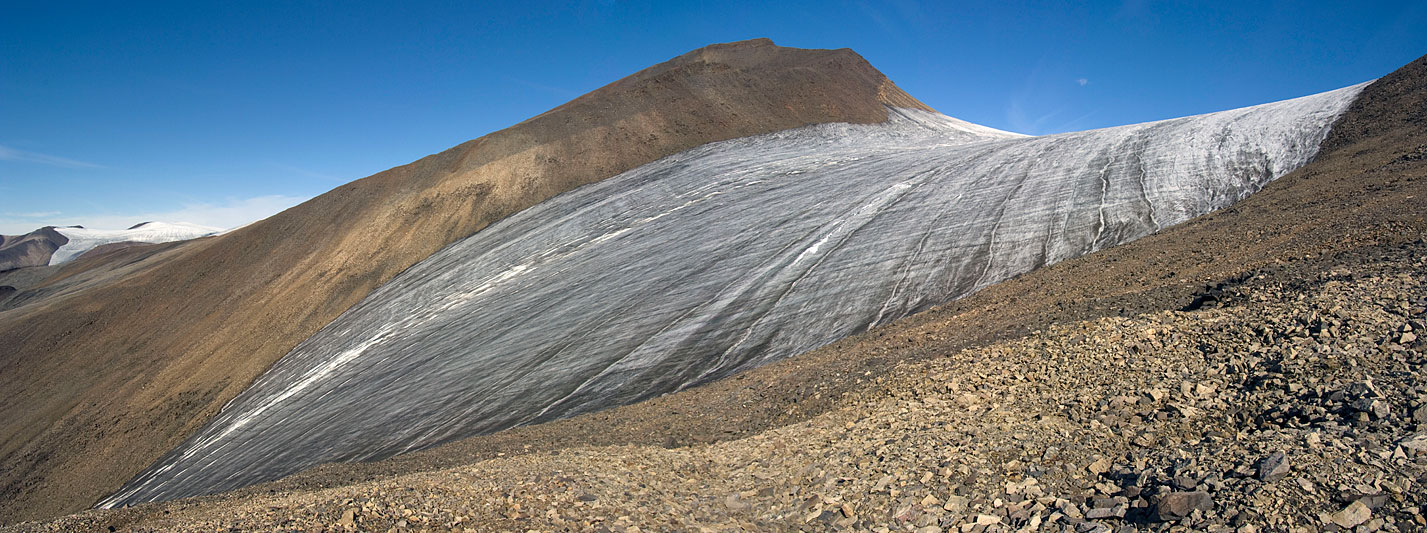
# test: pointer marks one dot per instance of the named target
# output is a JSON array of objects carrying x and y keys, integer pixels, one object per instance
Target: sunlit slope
[{"x": 718, "y": 259}]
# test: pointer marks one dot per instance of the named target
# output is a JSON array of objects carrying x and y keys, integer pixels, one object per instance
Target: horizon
[{"x": 113, "y": 116}]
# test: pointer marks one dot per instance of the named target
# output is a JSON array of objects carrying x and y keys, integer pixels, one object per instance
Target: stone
[
  {"x": 1352, "y": 515},
  {"x": 955, "y": 503},
  {"x": 1373, "y": 406},
  {"x": 1273, "y": 467},
  {"x": 1204, "y": 390},
  {"x": 1099, "y": 513},
  {"x": 1176, "y": 505},
  {"x": 1099, "y": 467},
  {"x": 1092, "y": 527},
  {"x": 1374, "y": 501},
  {"x": 348, "y": 519},
  {"x": 986, "y": 519},
  {"x": 734, "y": 503},
  {"x": 1417, "y": 443}
]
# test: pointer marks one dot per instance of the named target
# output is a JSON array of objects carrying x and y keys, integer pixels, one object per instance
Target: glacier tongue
[
  {"x": 83, "y": 239},
  {"x": 715, "y": 260}
]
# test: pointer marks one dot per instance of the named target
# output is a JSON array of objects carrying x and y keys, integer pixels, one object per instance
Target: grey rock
[
  {"x": 1092, "y": 527},
  {"x": 1273, "y": 467},
  {"x": 1098, "y": 513},
  {"x": 1374, "y": 501},
  {"x": 1417, "y": 443},
  {"x": 1373, "y": 406}
]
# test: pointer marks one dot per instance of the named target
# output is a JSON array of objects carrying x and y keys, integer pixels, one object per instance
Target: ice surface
[
  {"x": 83, "y": 239},
  {"x": 716, "y": 260}
]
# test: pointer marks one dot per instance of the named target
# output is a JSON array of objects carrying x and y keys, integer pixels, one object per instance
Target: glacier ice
[
  {"x": 84, "y": 239},
  {"x": 716, "y": 260}
]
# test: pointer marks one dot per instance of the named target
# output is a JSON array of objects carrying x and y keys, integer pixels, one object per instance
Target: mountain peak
[{"x": 838, "y": 79}]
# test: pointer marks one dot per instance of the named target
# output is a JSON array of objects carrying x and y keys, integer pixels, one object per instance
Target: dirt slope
[
  {"x": 102, "y": 377},
  {"x": 1361, "y": 205}
]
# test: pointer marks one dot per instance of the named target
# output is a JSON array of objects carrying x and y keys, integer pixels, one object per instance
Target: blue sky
[{"x": 219, "y": 113}]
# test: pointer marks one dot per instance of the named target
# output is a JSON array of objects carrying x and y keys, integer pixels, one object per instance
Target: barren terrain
[{"x": 1253, "y": 369}]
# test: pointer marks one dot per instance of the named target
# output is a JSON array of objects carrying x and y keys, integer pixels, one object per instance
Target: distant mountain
[
  {"x": 31, "y": 249},
  {"x": 82, "y": 240},
  {"x": 53, "y": 245}
]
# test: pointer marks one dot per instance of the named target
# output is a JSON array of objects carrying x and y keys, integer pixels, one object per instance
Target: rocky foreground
[{"x": 1288, "y": 400}]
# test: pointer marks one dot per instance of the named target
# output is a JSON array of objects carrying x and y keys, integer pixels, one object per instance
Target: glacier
[
  {"x": 85, "y": 239},
  {"x": 716, "y": 260}
]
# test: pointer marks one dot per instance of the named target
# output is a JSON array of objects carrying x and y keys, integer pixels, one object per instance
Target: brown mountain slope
[
  {"x": 1361, "y": 202},
  {"x": 29, "y": 250},
  {"x": 100, "y": 381}
]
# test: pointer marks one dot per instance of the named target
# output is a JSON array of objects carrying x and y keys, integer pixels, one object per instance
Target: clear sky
[{"x": 219, "y": 113}]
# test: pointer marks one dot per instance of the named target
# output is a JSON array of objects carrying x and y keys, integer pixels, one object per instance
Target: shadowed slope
[{"x": 99, "y": 382}]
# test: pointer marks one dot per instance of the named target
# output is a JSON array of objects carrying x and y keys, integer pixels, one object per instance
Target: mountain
[
  {"x": 1250, "y": 369},
  {"x": 31, "y": 249},
  {"x": 106, "y": 375},
  {"x": 52, "y": 245},
  {"x": 714, "y": 261},
  {"x": 82, "y": 239}
]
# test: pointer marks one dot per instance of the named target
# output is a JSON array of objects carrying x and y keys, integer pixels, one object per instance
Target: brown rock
[
  {"x": 1099, "y": 467},
  {"x": 1352, "y": 515},
  {"x": 1176, "y": 505},
  {"x": 348, "y": 519}
]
